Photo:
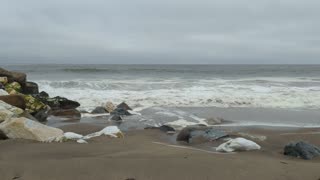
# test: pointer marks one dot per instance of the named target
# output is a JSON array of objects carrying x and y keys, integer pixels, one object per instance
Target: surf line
[{"x": 191, "y": 148}]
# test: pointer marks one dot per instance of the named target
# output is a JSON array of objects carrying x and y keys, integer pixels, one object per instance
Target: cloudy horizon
[{"x": 160, "y": 32}]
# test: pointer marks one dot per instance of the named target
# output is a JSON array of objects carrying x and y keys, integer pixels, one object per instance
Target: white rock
[
  {"x": 238, "y": 144},
  {"x": 112, "y": 131},
  {"x": 81, "y": 141},
  {"x": 23, "y": 128},
  {"x": 180, "y": 124},
  {"x": 3, "y": 92},
  {"x": 72, "y": 135}
]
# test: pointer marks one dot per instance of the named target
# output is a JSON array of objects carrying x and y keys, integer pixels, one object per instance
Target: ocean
[
  {"x": 267, "y": 95},
  {"x": 144, "y": 86}
]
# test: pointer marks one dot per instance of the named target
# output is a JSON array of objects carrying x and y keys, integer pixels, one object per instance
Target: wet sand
[{"x": 138, "y": 156}]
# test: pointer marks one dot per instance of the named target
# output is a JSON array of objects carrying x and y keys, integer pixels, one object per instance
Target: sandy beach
[{"x": 149, "y": 155}]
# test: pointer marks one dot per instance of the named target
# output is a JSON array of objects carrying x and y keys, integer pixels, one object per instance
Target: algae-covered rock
[
  {"x": 13, "y": 88},
  {"x": 61, "y": 103},
  {"x": 33, "y": 105}
]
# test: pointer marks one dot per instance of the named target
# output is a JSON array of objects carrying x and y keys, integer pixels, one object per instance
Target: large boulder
[
  {"x": 99, "y": 110},
  {"x": 7, "y": 111},
  {"x": 23, "y": 128},
  {"x": 13, "y": 88},
  {"x": 66, "y": 113},
  {"x": 200, "y": 134},
  {"x": 302, "y": 150},
  {"x": 14, "y": 100},
  {"x": 30, "y": 88},
  {"x": 238, "y": 144},
  {"x": 61, "y": 103},
  {"x": 13, "y": 76}
]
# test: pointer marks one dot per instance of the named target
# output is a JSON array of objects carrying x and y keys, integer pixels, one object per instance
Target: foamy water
[{"x": 144, "y": 86}]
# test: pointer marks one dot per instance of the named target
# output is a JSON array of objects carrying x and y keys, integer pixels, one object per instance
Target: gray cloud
[{"x": 167, "y": 31}]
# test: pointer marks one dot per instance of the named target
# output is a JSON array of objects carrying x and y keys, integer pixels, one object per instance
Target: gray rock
[
  {"x": 302, "y": 150},
  {"x": 124, "y": 106},
  {"x": 120, "y": 112},
  {"x": 116, "y": 118},
  {"x": 99, "y": 110},
  {"x": 200, "y": 134},
  {"x": 31, "y": 88}
]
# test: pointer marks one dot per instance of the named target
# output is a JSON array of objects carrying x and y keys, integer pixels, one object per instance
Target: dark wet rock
[
  {"x": 3, "y": 135},
  {"x": 61, "y": 103},
  {"x": 302, "y": 150},
  {"x": 116, "y": 118},
  {"x": 124, "y": 106},
  {"x": 30, "y": 88},
  {"x": 166, "y": 128},
  {"x": 14, "y": 76},
  {"x": 99, "y": 110},
  {"x": 120, "y": 112},
  {"x": 14, "y": 100},
  {"x": 66, "y": 113},
  {"x": 42, "y": 115},
  {"x": 200, "y": 134}
]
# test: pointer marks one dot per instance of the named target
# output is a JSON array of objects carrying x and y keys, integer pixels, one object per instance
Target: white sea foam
[{"x": 142, "y": 93}]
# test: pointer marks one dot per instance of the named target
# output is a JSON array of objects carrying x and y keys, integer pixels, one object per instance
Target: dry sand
[{"x": 137, "y": 157}]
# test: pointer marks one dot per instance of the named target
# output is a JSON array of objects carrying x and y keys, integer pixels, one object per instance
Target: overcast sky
[{"x": 161, "y": 31}]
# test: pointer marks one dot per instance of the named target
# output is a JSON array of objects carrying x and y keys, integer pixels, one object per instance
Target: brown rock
[
  {"x": 14, "y": 76},
  {"x": 14, "y": 100}
]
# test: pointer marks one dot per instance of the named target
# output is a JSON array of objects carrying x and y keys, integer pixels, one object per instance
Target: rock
[
  {"x": 238, "y": 144},
  {"x": 109, "y": 107},
  {"x": 302, "y": 150},
  {"x": 200, "y": 134},
  {"x": 3, "y": 92},
  {"x": 112, "y": 131},
  {"x": 61, "y": 103},
  {"x": 81, "y": 141},
  {"x": 124, "y": 106},
  {"x": 2, "y": 136},
  {"x": 33, "y": 105},
  {"x": 13, "y": 76},
  {"x": 30, "y": 88},
  {"x": 28, "y": 116},
  {"x": 116, "y": 118},
  {"x": 166, "y": 128},
  {"x": 23, "y": 128},
  {"x": 13, "y": 88},
  {"x": 120, "y": 112},
  {"x": 42, "y": 115},
  {"x": 14, "y": 100},
  {"x": 67, "y": 113},
  {"x": 7, "y": 111},
  {"x": 99, "y": 110},
  {"x": 2, "y": 87},
  {"x": 3, "y": 80}
]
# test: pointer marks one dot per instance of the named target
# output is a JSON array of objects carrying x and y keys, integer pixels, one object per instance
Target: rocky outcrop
[
  {"x": 13, "y": 76},
  {"x": 14, "y": 100},
  {"x": 238, "y": 144},
  {"x": 30, "y": 88},
  {"x": 302, "y": 150},
  {"x": 23, "y": 128},
  {"x": 200, "y": 134}
]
